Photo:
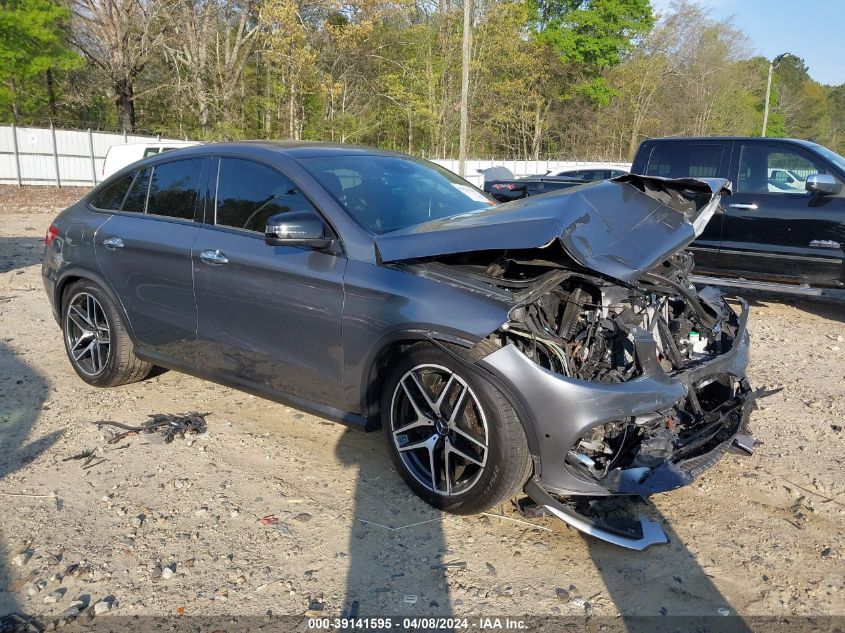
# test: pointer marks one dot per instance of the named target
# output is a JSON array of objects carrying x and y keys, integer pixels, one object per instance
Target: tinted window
[
  {"x": 682, "y": 160},
  {"x": 173, "y": 191},
  {"x": 137, "y": 195},
  {"x": 771, "y": 169},
  {"x": 150, "y": 151},
  {"x": 111, "y": 197},
  {"x": 248, "y": 193},
  {"x": 387, "y": 193}
]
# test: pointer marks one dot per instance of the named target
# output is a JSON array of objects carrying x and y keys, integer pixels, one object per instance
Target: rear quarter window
[
  {"x": 110, "y": 197},
  {"x": 685, "y": 160}
]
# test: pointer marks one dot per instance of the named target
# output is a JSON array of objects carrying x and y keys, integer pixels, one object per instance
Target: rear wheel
[
  {"x": 96, "y": 340},
  {"x": 453, "y": 436}
]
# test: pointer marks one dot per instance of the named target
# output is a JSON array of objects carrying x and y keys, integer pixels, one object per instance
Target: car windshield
[
  {"x": 390, "y": 193},
  {"x": 832, "y": 156}
]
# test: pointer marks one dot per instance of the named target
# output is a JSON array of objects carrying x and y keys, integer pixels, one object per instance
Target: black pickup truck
[{"x": 783, "y": 226}]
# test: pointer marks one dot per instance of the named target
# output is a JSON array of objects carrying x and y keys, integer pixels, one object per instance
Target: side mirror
[
  {"x": 296, "y": 228},
  {"x": 822, "y": 184}
]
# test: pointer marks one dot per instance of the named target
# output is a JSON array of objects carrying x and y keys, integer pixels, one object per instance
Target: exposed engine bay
[{"x": 584, "y": 326}]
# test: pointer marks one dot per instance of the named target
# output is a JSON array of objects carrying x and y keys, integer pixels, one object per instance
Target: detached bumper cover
[{"x": 562, "y": 409}]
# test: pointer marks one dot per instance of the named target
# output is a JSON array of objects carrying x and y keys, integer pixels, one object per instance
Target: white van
[{"x": 119, "y": 156}]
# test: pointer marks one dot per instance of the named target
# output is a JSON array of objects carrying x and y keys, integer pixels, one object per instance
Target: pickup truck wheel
[
  {"x": 452, "y": 435},
  {"x": 96, "y": 340}
]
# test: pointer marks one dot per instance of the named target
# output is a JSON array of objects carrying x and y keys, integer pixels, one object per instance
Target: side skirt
[{"x": 352, "y": 420}]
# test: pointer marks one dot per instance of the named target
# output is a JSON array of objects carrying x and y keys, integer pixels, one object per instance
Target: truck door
[{"x": 773, "y": 228}]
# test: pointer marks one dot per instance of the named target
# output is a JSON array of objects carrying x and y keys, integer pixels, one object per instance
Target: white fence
[{"x": 50, "y": 156}]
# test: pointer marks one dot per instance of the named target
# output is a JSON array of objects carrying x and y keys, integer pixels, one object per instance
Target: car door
[
  {"x": 692, "y": 159},
  {"x": 144, "y": 251},
  {"x": 268, "y": 316},
  {"x": 774, "y": 228}
]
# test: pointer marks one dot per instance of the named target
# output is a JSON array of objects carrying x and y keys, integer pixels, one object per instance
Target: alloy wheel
[
  {"x": 87, "y": 334},
  {"x": 439, "y": 429}
]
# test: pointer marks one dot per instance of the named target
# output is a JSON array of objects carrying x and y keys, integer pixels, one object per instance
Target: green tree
[
  {"x": 591, "y": 36},
  {"x": 32, "y": 47}
]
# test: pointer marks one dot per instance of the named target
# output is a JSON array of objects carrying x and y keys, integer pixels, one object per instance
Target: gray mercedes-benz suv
[{"x": 552, "y": 344}]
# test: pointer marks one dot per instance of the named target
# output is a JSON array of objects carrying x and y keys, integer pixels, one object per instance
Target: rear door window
[
  {"x": 249, "y": 193},
  {"x": 174, "y": 188},
  {"x": 136, "y": 199},
  {"x": 685, "y": 160},
  {"x": 111, "y": 197}
]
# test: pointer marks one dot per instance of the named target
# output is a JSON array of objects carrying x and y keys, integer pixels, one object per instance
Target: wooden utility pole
[
  {"x": 467, "y": 46},
  {"x": 768, "y": 91}
]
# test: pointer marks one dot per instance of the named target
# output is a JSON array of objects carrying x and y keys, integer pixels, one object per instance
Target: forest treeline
[{"x": 584, "y": 79}]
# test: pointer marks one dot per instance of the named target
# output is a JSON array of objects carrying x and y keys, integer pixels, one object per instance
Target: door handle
[
  {"x": 742, "y": 205},
  {"x": 214, "y": 257},
  {"x": 113, "y": 243}
]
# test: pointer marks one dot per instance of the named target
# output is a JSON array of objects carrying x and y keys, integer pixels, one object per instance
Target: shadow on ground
[
  {"x": 679, "y": 597},
  {"x": 17, "y": 253},
  {"x": 396, "y": 545},
  {"x": 22, "y": 393},
  {"x": 399, "y": 571},
  {"x": 827, "y": 308}
]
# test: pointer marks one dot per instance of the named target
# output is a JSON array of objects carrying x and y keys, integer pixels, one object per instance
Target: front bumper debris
[{"x": 637, "y": 535}]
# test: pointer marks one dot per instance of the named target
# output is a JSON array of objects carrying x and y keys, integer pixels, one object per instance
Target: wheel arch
[
  {"x": 71, "y": 276},
  {"x": 390, "y": 348}
]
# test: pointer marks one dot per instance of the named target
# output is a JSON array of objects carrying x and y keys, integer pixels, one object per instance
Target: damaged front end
[
  {"x": 688, "y": 350},
  {"x": 630, "y": 381},
  {"x": 632, "y": 389}
]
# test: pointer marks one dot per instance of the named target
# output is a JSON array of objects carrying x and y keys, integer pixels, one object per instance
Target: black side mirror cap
[
  {"x": 297, "y": 228},
  {"x": 822, "y": 184}
]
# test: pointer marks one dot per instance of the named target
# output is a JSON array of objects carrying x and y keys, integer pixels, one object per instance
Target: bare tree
[
  {"x": 118, "y": 37},
  {"x": 211, "y": 41}
]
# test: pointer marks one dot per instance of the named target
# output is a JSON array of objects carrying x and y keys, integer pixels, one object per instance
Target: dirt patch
[
  {"x": 37, "y": 199},
  {"x": 170, "y": 529}
]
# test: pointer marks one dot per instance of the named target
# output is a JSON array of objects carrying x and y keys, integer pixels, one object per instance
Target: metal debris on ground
[
  {"x": 457, "y": 564},
  {"x": 168, "y": 425}
]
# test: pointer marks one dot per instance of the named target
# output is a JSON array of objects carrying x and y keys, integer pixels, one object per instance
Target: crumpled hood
[{"x": 621, "y": 227}]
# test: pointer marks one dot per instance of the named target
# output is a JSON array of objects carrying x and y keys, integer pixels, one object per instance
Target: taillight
[{"x": 52, "y": 233}]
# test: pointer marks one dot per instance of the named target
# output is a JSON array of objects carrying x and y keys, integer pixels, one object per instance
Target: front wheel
[{"x": 453, "y": 436}]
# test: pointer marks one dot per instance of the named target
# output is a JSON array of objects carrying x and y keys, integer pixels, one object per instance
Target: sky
[{"x": 811, "y": 29}]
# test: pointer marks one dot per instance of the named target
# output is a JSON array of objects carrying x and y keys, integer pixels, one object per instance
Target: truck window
[
  {"x": 772, "y": 169},
  {"x": 684, "y": 160}
]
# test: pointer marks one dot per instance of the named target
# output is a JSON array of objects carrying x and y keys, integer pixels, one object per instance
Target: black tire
[
  {"x": 508, "y": 463},
  {"x": 118, "y": 365}
]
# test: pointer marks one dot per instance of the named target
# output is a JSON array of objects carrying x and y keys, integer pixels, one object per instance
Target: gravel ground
[{"x": 175, "y": 529}]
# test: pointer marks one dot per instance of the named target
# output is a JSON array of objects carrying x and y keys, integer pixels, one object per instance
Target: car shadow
[
  {"x": 827, "y": 308},
  {"x": 23, "y": 391},
  {"x": 20, "y": 252},
  {"x": 396, "y": 544},
  {"x": 676, "y": 593}
]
